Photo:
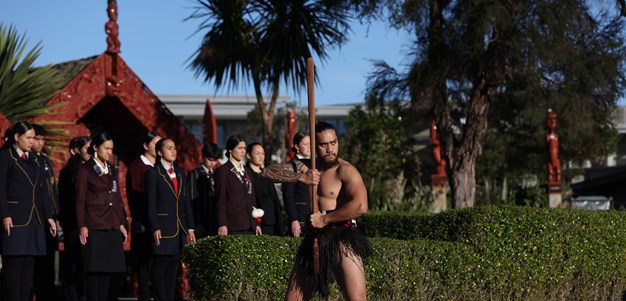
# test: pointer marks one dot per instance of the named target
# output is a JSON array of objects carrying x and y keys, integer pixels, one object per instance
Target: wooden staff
[{"x": 310, "y": 74}]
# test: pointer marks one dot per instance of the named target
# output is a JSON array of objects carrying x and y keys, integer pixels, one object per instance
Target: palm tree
[
  {"x": 266, "y": 42},
  {"x": 23, "y": 89}
]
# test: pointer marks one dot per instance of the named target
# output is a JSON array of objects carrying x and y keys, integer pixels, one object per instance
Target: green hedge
[{"x": 484, "y": 253}]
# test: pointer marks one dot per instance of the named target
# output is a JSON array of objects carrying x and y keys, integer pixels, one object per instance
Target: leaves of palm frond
[{"x": 23, "y": 89}]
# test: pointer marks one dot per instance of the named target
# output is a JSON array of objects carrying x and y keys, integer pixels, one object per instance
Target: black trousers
[
  {"x": 72, "y": 276},
  {"x": 45, "y": 274},
  {"x": 140, "y": 260},
  {"x": 17, "y": 277},
  {"x": 103, "y": 286},
  {"x": 164, "y": 273}
]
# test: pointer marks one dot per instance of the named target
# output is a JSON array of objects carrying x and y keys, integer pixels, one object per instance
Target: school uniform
[
  {"x": 296, "y": 198},
  {"x": 169, "y": 210},
  {"x": 267, "y": 199},
  {"x": 201, "y": 183},
  {"x": 71, "y": 262},
  {"x": 24, "y": 199},
  {"x": 140, "y": 244},
  {"x": 235, "y": 199},
  {"x": 45, "y": 274},
  {"x": 99, "y": 207}
]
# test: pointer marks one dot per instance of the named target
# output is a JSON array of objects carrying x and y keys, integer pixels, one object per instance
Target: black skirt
[
  {"x": 335, "y": 241},
  {"x": 104, "y": 252}
]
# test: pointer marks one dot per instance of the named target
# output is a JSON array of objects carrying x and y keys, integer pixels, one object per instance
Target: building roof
[
  {"x": 235, "y": 107},
  {"x": 70, "y": 69}
]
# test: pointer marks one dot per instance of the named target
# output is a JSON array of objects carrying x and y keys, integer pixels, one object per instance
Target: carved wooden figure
[
  {"x": 112, "y": 30},
  {"x": 552, "y": 143},
  {"x": 437, "y": 149},
  {"x": 291, "y": 122}
]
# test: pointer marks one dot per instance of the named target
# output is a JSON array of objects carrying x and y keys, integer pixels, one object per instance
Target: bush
[{"x": 495, "y": 253}]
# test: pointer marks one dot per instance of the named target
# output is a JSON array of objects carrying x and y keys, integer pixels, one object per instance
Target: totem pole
[
  {"x": 291, "y": 131},
  {"x": 113, "y": 49},
  {"x": 439, "y": 181},
  {"x": 554, "y": 165}
]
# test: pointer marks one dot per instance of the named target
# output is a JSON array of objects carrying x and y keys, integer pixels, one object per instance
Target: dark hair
[
  {"x": 159, "y": 146},
  {"x": 74, "y": 161},
  {"x": 78, "y": 142},
  {"x": 18, "y": 128},
  {"x": 211, "y": 150},
  {"x": 297, "y": 138},
  {"x": 39, "y": 130},
  {"x": 232, "y": 142},
  {"x": 251, "y": 147},
  {"x": 149, "y": 136},
  {"x": 97, "y": 139},
  {"x": 322, "y": 126}
]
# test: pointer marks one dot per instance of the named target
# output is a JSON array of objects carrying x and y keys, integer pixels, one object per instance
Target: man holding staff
[
  {"x": 342, "y": 247},
  {"x": 332, "y": 248}
]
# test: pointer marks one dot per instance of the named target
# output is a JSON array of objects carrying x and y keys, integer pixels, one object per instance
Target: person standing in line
[
  {"x": 342, "y": 248},
  {"x": 26, "y": 212},
  {"x": 45, "y": 274},
  {"x": 202, "y": 191},
  {"x": 296, "y": 195},
  {"x": 141, "y": 240},
  {"x": 101, "y": 220},
  {"x": 266, "y": 195},
  {"x": 72, "y": 276},
  {"x": 170, "y": 218},
  {"x": 235, "y": 193}
]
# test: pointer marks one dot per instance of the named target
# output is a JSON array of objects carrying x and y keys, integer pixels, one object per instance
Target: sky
[{"x": 156, "y": 43}]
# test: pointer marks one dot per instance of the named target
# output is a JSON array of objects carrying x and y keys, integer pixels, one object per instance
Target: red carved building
[{"x": 104, "y": 92}]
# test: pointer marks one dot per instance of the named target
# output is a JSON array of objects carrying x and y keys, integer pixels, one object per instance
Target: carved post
[
  {"x": 291, "y": 131},
  {"x": 111, "y": 28},
  {"x": 439, "y": 181},
  {"x": 554, "y": 165}
]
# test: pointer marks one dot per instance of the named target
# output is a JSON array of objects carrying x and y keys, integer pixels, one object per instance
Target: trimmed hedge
[{"x": 495, "y": 253}]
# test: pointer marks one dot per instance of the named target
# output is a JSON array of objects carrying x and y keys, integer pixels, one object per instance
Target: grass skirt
[{"x": 335, "y": 241}]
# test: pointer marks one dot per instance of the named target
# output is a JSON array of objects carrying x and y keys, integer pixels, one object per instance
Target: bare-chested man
[{"x": 342, "y": 197}]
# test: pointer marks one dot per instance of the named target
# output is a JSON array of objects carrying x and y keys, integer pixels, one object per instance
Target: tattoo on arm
[{"x": 281, "y": 173}]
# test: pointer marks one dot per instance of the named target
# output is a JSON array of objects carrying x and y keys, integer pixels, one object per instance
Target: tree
[
  {"x": 376, "y": 144},
  {"x": 23, "y": 89},
  {"x": 477, "y": 57},
  {"x": 266, "y": 42}
]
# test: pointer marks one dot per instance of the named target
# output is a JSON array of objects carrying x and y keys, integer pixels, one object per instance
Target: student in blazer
[
  {"x": 141, "y": 239},
  {"x": 296, "y": 195},
  {"x": 235, "y": 193},
  {"x": 170, "y": 218},
  {"x": 26, "y": 212},
  {"x": 71, "y": 266},
  {"x": 266, "y": 194},
  {"x": 102, "y": 221}
]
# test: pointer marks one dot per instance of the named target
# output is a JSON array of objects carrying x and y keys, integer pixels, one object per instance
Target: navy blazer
[
  {"x": 296, "y": 197},
  {"x": 24, "y": 198},
  {"x": 234, "y": 200},
  {"x": 203, "y": 201},
  {"x": 168, "y": 210},
  {"x": 99, "y": 204}
]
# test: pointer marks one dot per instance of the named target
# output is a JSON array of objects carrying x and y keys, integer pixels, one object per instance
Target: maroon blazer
[
  {"x": 99, "y": 203},
  {"x": 235, "y": 199},
  {"x": 137, "y": 202}
]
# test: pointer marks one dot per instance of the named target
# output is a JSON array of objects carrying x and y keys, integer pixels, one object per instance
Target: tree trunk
[
  {"x": 464, "y": 183},
  {"x": 464, "y": 162},
  {"x": 267, "y": 113}
]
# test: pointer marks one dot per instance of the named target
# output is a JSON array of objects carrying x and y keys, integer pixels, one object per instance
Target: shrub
[{"x": 495, "y": 253}]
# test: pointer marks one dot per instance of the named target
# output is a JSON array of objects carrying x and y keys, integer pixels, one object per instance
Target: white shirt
[
  {"x": 167, "y": 168},
  {"x": 145, "y": 160}
]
